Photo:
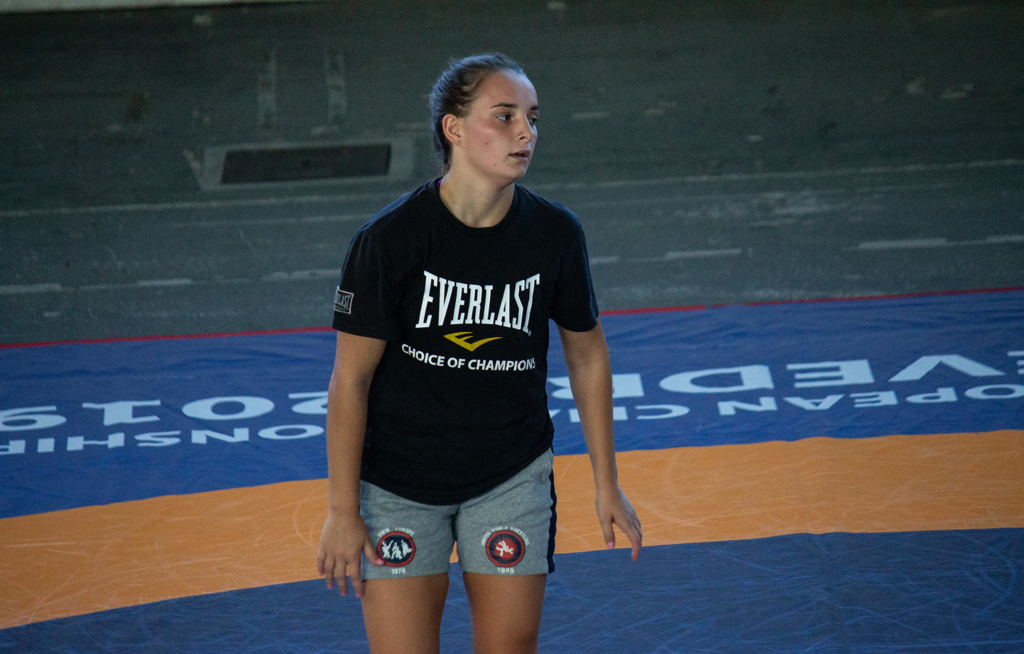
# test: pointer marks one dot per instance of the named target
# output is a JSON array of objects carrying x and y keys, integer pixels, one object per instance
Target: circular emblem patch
[
  {"x": 396, "y": 548},
  {"x": 505, "y": 548}
]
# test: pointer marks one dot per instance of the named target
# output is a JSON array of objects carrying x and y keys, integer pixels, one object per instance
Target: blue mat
[
  {"x": 958, "y": 342},
  {"x": 236, "y": 411},
  {"x": 943, "y": 592}
]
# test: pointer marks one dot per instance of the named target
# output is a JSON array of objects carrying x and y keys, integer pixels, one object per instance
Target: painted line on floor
[
  {"x": 670, "y": 256},
  {"x": 14, "y": 6},
  {"x": 195, "y": 205},
  {"x": 301, "y": 275},
  {"x": 151, "y": 283},
  {"x": 999, "y": 240},
  {"x": 625, "y": 183},
  {"x": 322, "y": 273},
  {"x": 703, "y": 254},
  {"x": 336, "y": 218},
  {"x": 805, "y": 174},
  {"x": 918, "y": 243},
  {"x": 20, "y": 289},
  {"x": 904, "y": 244},
  {"x": 769, "y": 197},
  {"x": 294, "y": 276}
]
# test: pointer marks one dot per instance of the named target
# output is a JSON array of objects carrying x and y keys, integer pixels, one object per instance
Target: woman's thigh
[
  {"x": 505, "y": 612},
  {"x": 404, "y": 614}
]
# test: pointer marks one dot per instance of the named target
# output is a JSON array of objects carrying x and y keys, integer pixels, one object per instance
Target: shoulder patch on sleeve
[{"x": 343, "y": 301}]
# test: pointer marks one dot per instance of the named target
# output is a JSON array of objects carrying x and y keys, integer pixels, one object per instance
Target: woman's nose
[{"x": 526, "y": 130}]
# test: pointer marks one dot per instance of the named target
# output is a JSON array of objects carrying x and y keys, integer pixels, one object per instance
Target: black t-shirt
[{"x": 458, "y": 401}]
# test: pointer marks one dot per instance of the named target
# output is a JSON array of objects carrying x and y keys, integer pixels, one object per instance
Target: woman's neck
[{"x": 475, "y": 202}]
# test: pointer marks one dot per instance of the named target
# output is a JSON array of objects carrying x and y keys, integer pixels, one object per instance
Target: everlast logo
[{"x": 472, "y": 304}]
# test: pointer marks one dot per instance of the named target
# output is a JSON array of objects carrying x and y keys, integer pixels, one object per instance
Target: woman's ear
[{"x": 452, "y": 128}]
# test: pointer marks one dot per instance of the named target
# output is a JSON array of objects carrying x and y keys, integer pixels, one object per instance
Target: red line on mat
[
  {"x": 621, "y": 312},
  {"x": 613, "y": 312},
  {"x": 172, "y": 337},
  {"x": 875, "y": 297}
]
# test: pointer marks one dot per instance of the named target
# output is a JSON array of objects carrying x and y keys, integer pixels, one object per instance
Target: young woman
[{"x": 438, "y": 430}]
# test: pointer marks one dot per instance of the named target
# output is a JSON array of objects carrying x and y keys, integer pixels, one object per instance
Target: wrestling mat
[{"x": 843, "y": 476}]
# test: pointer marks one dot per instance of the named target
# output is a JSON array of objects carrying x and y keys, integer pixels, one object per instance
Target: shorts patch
[
  {"x": 505, "y": 548},
  {"x": 343, "y": 301},
  {"x": 397, "y": 548},
  {"x": 509, "y": 530}
]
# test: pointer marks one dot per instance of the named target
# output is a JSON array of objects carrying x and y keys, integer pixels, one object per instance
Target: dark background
[{"x": 721, "y": 152}]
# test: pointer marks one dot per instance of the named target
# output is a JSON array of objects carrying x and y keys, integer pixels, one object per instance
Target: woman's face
[{"x": 498, "y": 135}]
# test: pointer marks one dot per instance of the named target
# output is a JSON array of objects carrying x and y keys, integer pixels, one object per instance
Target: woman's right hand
[{"x": 343, "y": 539}]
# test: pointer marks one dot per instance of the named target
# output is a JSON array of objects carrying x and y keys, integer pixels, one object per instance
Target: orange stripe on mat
[{"x": 103, "y": 557}]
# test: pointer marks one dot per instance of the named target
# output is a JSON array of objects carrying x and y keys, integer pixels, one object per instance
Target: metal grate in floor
[
  {"x": 274, "y": 165},
  {"x": 305, "y": 163}
]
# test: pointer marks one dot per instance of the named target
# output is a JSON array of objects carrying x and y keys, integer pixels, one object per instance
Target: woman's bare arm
[
  {"x": 590, "y": 377},
  {"x": 344, "y": 535}
]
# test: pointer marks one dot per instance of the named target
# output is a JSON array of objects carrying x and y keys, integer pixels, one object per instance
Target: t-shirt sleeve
[
  {"x": 574, "y": 305},
  {"x": 366, "y": 302}
]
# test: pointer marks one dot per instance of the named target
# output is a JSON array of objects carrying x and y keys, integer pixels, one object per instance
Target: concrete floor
[{"x": 716, "y": 153}]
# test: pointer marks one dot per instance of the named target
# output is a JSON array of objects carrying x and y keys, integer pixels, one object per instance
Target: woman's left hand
[{"x": 614, "y": 509}]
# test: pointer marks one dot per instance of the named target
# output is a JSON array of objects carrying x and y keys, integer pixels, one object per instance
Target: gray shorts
[{"x": 509, "y": 530}]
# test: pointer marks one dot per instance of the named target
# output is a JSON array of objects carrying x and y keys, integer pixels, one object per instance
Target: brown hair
[{"x": 456, "y": 89}]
